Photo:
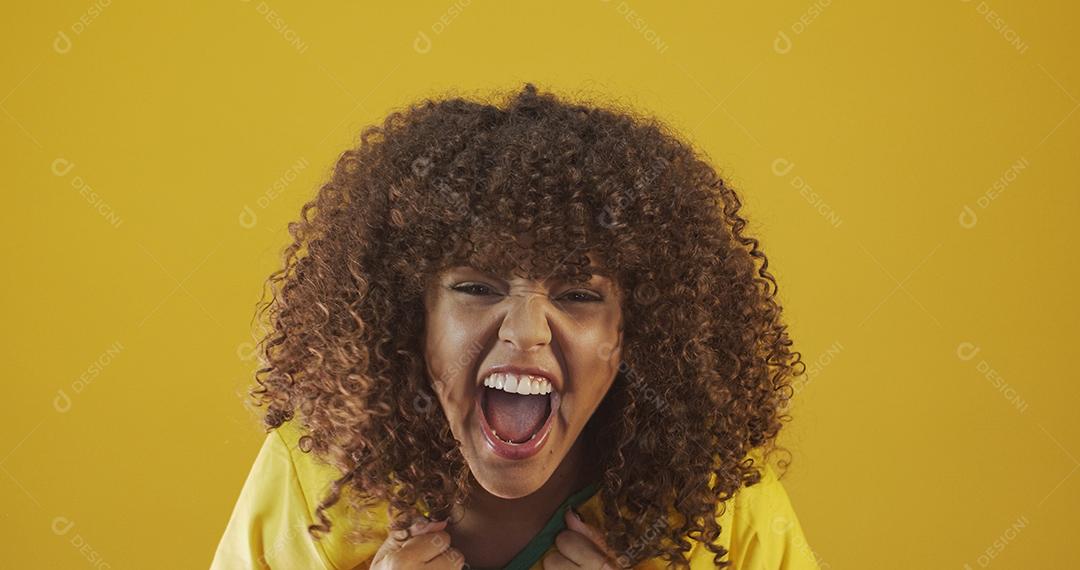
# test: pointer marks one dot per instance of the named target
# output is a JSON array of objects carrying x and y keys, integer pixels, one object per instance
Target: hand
[
  {"x": 580, "y": 546},
  {"x": 427, "y": 547}
]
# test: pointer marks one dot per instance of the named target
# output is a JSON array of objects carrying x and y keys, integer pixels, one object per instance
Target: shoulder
[
  {"x": 278, "y": 502},
  {"x": 763, "y": 530},
  {"x": 315, "y": 478},
  {"x": 758, "y": 528}
]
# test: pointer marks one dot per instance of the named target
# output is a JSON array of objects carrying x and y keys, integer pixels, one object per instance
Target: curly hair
[{"x": 706, "y": 364}]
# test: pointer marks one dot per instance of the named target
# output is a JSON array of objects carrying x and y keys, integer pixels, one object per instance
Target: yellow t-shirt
[{"x": 268, "y": 525}]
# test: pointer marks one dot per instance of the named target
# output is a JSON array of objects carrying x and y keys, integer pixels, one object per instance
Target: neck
[{"x": 516, "y": 521}]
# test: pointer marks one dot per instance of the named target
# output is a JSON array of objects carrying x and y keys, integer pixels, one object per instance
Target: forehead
[
  {"x": 597, "y": 274},
  {"x": 513, "y": 261}
]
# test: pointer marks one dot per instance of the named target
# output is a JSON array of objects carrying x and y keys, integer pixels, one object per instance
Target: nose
[{"x": 526, "y": 322}]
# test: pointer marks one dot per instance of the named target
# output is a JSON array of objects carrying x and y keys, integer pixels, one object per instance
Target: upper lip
[{"x": 556, "y": 382}]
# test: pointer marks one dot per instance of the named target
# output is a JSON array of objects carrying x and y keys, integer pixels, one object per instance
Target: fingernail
[{"x": 422, "y": 525}]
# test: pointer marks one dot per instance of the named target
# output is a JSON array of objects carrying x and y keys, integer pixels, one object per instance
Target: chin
[
  {"x": 514, "y": 489},
  {"x": 509, "y": 479}
]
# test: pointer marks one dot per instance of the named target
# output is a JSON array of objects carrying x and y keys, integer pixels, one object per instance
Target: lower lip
[{"x": 516, "y": 451}]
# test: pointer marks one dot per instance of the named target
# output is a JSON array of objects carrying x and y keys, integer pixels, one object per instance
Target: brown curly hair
[{"x": 706, "y": 364}]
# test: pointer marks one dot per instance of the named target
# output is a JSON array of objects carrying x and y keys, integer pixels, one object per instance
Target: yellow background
[{"x": 936, "y": 428}]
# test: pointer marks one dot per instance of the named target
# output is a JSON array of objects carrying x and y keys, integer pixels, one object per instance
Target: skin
[
  {"x": 475, "y": 321},
  {"x": 426, "y": 545}
]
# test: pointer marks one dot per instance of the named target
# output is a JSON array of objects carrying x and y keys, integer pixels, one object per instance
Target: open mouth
[{"x": 516, "y": 413}]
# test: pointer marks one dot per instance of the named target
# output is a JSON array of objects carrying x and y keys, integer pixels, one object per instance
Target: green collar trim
[{"x": 540, "y": 543}]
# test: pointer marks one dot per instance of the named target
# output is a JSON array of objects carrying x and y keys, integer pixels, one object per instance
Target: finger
[
  {"x": 425, "y": 547},
  {"x": 574, "y": 523},
  {"x": 395, "y": 539},
  {"x": 418, "y": 528},
  {"x": 398, "y": 538},
  {"x": 556, "y": 561},
  {"x": 449, "y": 559},
  {"x": 579, "y": 549}
]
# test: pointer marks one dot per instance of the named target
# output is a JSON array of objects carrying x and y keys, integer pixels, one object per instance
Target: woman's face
[{"x": 565, "y": 338}]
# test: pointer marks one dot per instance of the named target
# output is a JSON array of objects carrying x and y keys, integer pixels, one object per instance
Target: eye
[
  {"x": 582, "y": 296},
  {"x": 474, "y": 289},
  {"x": 482, "y": 290}
]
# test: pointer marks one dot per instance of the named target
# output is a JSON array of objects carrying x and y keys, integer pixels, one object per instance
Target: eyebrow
[{"x": 605, "y": 275}]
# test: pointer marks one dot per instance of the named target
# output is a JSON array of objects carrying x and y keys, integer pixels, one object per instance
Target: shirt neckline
[{"x": 539, "y": 544}]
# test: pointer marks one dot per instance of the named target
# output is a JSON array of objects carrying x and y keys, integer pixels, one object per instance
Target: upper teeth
[{"x": 518, "y": 383}]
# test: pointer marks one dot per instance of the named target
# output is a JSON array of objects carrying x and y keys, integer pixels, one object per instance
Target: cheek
[
  {"x": 450, "y": 352},
  {"x": 594, "y": 357},
  {"x": 605, "y": 339}
]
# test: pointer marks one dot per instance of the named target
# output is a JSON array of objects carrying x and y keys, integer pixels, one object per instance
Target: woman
[{"x": 524, "y": 335}]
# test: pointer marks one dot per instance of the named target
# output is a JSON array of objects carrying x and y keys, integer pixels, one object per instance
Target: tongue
[{"x": 515, "y": 417}]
